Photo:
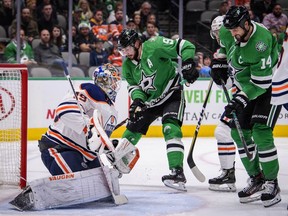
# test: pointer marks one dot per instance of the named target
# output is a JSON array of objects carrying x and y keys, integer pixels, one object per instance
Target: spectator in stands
[
  {"x": 205, "y": 69},
  {"x": 40, "y": 5},
  {"x": 99, "y": 26},
  {"x": 223, "y": 8},
  {"x": 199, "y": 60},
  {"x": 137, "y": 21},
  {"x": 116, "y": 26},
  {"x": 31, "y": 4},
  {"x": 86, "y": 14},
  {"x": 110, "y": 44},
  {"x": 115, "y": 58},
  {"x": 153, "y": 19},
  {"x": 7, "y": 14},
  {"x": 46, "y": 20},
  {"x": 118, "y": 6},
  {"x": 75, "y": 48},
  {"x": 130, "y": 24},
  {"x": 276, "y": 21},
  {"x": 262, "y": 8},
  {"x": 29, "y": 25},
  {"x": 46, "y": 52},
  {"x": 58, "y": 38},
  {"x": 150, "y": 31},
  {"x": 253, "y": 16},
  {"x": 85, "y": 40},
  {"x": 145, "y": 10},
  {"x": 76, "y": 17},
  {"x": 99, "y": 55},
  {"x": 26, "y": 52}
]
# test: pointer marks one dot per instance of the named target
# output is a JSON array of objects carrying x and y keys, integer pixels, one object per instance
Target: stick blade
[
  {"x": 120, "y": 199},
  {"x": 198, "y": 174}
]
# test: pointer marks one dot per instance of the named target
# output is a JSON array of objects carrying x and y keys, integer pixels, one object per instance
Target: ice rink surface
[{"x": 148, "y": 196}]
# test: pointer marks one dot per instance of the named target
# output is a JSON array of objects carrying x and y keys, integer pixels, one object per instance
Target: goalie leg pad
[{"x": 65, "y": 190}]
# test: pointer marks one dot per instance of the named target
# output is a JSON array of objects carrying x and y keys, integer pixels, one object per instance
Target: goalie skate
[
  {"x": 175, "y": 180},
  {"x": 24, "y": 201},
  {"x": 225, "y": 182}
]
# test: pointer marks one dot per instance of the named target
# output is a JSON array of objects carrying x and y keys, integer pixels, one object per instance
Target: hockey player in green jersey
[
  {"x": 154, "y": 86},
  {"x": 251, "y": 53}
]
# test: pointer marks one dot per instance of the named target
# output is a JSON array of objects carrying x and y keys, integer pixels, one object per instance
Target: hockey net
[{"x": 13, "y": 124}]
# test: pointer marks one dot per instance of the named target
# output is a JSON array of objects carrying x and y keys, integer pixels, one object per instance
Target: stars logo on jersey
[
  {"x": 260, "y": 46},
  {"x": 147, "y": 82}
]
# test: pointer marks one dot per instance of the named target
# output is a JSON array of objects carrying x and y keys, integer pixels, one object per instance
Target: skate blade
[
  {"x": 223, "y": 187},
  {"x": 250, "y": 198},
  {"x": 180, "y": 186},
  {"x": 268, "y": 203}
]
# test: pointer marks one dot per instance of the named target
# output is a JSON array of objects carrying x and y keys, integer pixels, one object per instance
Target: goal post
[{"x": 13, "y": 124}]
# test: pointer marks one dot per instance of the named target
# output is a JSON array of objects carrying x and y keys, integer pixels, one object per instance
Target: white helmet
[
  {"x": 107, "y": 77},
  {"x": 215, "y": 26}
]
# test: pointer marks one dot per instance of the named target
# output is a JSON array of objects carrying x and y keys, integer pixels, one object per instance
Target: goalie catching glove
[
  {"x": 125, "y": 156},
  {"x": 189, "y": 71}
]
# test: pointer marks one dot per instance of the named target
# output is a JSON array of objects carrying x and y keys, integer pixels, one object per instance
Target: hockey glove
[
  {"x": 219, "y": 71},
  {"x": 189, "y": 71},
  {"x": 136, "y": 109},
  {"x": 237, "y": 104}
]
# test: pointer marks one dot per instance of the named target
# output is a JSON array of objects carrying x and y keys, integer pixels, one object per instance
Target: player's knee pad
[
  {"x": 132, "y": 136},
  {"x": 222, "y": 133},
  {"x": 263, "y": 136},
  {"x": 171, "y": 129}
]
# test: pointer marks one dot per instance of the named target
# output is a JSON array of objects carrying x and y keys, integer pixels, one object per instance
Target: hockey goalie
[{"x": 74, "y": 144}]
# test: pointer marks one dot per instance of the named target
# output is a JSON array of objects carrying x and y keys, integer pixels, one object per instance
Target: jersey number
[
  {"x": 167, "y": 41},
  {"x": 265, "y": 63}
]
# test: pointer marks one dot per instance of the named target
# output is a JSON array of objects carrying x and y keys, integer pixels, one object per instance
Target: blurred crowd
[{"x": 96, "y": 25}]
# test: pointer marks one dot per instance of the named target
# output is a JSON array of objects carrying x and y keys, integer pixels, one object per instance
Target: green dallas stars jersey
[
  {"x": 152, "y": 77},
  {"x": 251, "y": 63}
]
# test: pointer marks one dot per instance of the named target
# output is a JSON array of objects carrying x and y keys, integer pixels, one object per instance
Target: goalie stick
[
  {"x": 118, "y": 199},
  {"x": 197, "y": 173},
  {"x": 250, "y": 156}
]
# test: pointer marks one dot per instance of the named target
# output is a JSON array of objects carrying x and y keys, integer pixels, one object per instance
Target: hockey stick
[
  {"x": 121, "y": 123},
  {"x": 118, "y": 199},
  {"x": 250, "y": 156},
  {"x": 197, "y": 173}
]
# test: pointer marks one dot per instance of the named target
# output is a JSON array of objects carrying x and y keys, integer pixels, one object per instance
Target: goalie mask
[{"x": 107, "y": 77}]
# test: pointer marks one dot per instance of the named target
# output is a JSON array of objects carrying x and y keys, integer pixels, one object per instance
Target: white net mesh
[{"x": 10, "y": 126}]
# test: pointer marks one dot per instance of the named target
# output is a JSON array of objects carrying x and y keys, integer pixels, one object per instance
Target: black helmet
[
  {"x": 236, "y": 16},
  {"x": 128, "y": 37}
]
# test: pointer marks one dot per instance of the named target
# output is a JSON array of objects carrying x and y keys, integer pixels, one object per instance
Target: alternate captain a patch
[{"x": 260, "y": 46}]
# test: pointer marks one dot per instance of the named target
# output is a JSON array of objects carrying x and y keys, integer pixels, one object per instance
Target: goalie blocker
[{"x": 70, "y": 189}]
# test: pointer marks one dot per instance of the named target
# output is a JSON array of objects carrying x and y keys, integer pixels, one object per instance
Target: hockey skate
[
  {"x": 253, "y": 190},
  {"x": 175, "y": 180},
  {"x": 271, "y": 194},
  {"x": 225, "y": 182}
]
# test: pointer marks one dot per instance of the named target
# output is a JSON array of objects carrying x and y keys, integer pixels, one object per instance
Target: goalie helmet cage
[{"x": 13, "y": 124}]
